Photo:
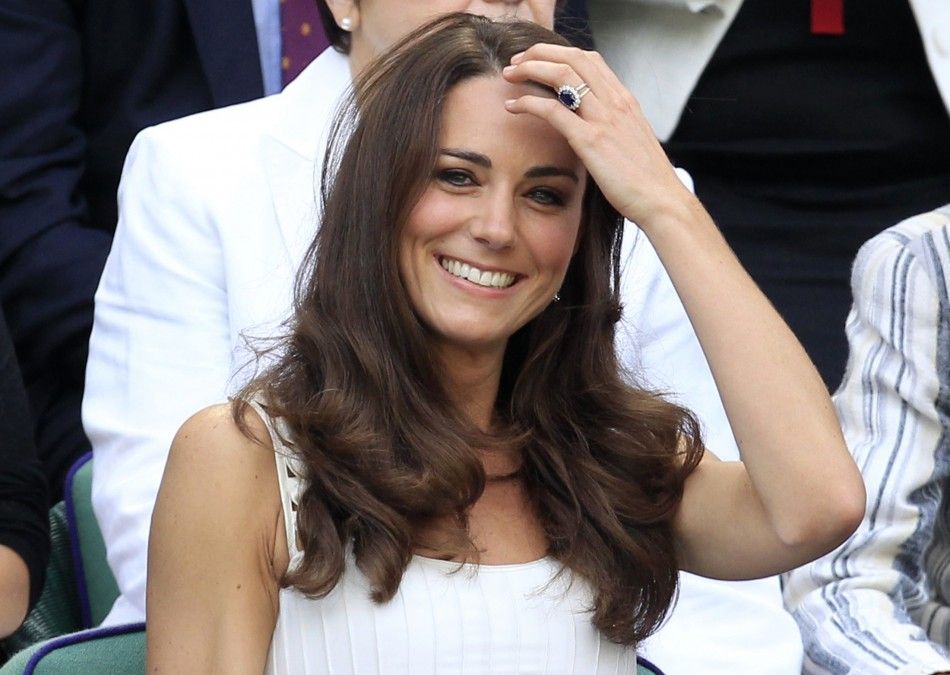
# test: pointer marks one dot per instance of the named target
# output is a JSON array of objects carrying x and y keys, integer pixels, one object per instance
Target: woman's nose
[{"x": 495, "y": 227}]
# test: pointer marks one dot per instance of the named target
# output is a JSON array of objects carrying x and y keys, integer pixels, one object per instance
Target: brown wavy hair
[{"x": 385, "y": 451}]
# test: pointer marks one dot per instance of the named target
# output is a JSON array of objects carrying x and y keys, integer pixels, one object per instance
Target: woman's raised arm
[{"x": 796, "y": 493}]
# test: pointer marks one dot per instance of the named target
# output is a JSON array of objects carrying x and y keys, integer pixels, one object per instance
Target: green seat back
[
  {"x": 100, "y": 585},
  {"x": 80, "y": 588},
  {"x": 107, "y": 651},
  {"x": 57, "y": 611},
  {"x": 643, "y": 668}
]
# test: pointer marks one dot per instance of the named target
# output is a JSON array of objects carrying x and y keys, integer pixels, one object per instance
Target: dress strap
[{"x": 289, "y": 473}]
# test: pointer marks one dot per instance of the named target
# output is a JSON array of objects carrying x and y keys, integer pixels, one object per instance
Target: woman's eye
[
  {"x": 456, "y": 177},
  {"x": 547, "y": 197}
]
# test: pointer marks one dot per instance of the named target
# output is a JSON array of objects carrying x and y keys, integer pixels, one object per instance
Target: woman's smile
[{"x": 478, "y": 275}]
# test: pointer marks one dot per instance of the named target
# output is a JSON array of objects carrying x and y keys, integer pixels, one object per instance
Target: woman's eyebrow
[
  {"x": 533, "y": 172},
  {"x": 546, "y": 171},
  {"x": 468, "y": 156}
]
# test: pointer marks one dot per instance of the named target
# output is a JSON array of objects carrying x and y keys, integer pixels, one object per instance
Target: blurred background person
[
  {"x": 24, "y": 524},
  {"x": 879, "y": 603}
]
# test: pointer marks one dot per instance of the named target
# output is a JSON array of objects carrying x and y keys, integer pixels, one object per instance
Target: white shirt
[
  {"x": 267, "y": 27},
  {"x": 445, "y": 617}
]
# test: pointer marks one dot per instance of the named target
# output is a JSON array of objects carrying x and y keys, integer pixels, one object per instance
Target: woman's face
[
  {"x": 487, "y": 246},
  {"x": 379, "y": 24}
]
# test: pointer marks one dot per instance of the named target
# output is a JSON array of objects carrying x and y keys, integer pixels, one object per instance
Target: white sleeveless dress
[{"x": 445, "y": 618}]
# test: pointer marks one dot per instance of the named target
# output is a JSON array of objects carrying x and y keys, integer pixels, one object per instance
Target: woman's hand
[{"x": 607, "y": 131}]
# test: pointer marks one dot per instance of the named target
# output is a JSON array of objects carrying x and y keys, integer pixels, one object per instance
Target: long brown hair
[{"x": 384, "y": 449}]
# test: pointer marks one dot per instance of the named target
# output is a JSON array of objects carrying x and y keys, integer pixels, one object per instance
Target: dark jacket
[{"x": 79, "y": 80}]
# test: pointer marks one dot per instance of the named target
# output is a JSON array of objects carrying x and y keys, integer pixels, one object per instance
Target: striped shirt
[{"x": 880, "y": 603}]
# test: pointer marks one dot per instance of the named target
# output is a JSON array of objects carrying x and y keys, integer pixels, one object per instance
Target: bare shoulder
[
  {"x": 217, "y": 468},
  {"x": 212, "y": 440}
]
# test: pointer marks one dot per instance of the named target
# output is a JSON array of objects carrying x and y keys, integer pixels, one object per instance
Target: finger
[
  {"x": 553, "y": 75},
  {"x": 589, "y": 66},
  {"x": 547, "y": 51}
]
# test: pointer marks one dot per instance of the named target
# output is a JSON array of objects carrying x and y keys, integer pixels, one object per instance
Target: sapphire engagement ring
[{"x": 571, "y": 96}]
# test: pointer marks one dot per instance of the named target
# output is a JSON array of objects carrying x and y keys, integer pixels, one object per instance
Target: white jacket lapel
[{"x": 292, "y": 150}]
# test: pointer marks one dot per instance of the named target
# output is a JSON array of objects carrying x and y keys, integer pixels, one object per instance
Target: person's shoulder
[
  {"x": 234, "y": 128},
  {"x": 217, "y": 127},
  {"x": 909, "y": 232},
  {"x": 215, "y": 429},
  {"x": 198, "y": 163},
  {"x": 215, "y": 553},
  {"x": 231, "y": 463},
  {"x": 230, "y": 140},
  {"x": 199, "y": 145},
  {"x": 920, "y": 241}
]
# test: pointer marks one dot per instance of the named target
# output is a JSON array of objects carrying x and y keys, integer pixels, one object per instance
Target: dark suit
[{"x": 80, "y": 79}]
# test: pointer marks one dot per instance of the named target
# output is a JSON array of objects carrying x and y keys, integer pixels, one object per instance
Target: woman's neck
[
  {"x": 361, "y": 55},
  {"x": 471, "y": 380}
]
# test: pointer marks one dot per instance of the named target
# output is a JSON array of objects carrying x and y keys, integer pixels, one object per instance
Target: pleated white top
[{"x": 446, "y": 619}]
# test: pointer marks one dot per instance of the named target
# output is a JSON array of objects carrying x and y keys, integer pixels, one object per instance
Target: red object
[{"x": 827, "y": 17}]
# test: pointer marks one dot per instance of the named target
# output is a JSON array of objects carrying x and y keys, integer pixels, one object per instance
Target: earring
[
  {"x": 346, "y": 23},
  {"x": 557, "y": 297}
]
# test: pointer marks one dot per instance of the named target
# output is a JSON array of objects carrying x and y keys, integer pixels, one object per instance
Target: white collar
[{"x": 308, "y": 104}]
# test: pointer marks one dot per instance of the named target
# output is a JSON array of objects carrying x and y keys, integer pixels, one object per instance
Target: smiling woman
[
  {"x": 448, "y": 397},
  {"x": 429, "y": 385}
]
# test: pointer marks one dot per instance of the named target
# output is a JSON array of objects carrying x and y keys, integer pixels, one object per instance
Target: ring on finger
[{"x": 571, "y": 96}]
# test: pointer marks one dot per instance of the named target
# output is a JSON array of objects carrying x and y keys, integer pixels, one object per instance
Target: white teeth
[{"x": 477, "y": 276}]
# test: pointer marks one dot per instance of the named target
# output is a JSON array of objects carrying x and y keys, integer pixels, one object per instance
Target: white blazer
[
  {"x": 215, "y": 213},
  {"x": 659, "y": 48}
]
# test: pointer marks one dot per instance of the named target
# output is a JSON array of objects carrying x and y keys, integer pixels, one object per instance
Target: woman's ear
[{"x": 346, "y": 13}]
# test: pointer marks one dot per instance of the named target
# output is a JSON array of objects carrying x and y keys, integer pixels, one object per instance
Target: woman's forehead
[{"x": 474, "y": 117}]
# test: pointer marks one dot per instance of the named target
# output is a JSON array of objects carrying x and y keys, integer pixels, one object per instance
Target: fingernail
[
  {"x": 510, "y": 103},
  {"x": 517, "y": 57},
  {"x": 507, "y": 69}
]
